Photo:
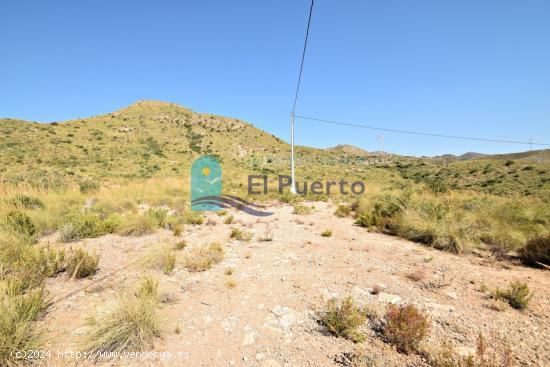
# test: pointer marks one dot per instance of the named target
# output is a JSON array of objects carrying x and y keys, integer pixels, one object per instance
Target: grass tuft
[
  {"x": 241, "y": 235},
  {"x": 131, "y": 326},
  {"x": 80, "y": 264},
  {"x": 204, "y": 257}
]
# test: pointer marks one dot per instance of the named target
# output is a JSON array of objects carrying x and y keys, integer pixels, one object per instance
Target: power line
[
  {"x": 303, "y": 57},
  {"x": 342, "y": 123}
]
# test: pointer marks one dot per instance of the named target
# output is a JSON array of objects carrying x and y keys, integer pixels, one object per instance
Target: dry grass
[
  {"x": 536, "y": 251},
  {"x": 18, "y": 311},
  {"x": 416, "y": 275},
  {"x": 241, "y": 235},
  {"x": 80, "y": 264},
  {"x": 230, "y": 283},
  {"x": 163, "y": 259},
  {"x": 493, "y": 354},
  {"x": 204, "y": 257},
  {"x": 131, "y": 326},
  {"x": 342, "y": 211},
  {"x": 180, "y": 245}
]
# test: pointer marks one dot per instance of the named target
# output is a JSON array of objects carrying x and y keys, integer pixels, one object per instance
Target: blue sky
[{"x": 463, "y": 67}]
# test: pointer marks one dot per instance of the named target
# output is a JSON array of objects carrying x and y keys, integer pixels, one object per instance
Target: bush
[
  {"x": 342, "y": 211},
  {"x": 76, "y": 226},
  {"x": 229, "y": 219},
  {"x": 326, "y": 233},
  {"x": 344, "y": 319},
  {"x": 21, "y": 223},
  {"x": 405, "y": 327},
  {"x": 241, "y": 235},
  {"x": 131, "y": 326},
  {"x": 80, "y": 264},
  {"x": 516, "y": 295},
  {"x": 536, "y": 251},
  {"x": 194, "y": 218},
  {"x": 204, "y": 257},
  {"x": 301, "y": 209}
]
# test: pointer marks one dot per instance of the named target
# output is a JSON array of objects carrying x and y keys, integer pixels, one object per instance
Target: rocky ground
[{"x": 264, "y": 314}]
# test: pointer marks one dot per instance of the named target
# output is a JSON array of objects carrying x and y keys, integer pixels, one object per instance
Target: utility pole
[
  {"x": 381, "y": 144},
  {"x": 293, "y": 184}
]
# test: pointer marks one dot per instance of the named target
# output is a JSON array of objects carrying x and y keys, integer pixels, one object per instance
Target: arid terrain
[{"x": 260, "y": 305}]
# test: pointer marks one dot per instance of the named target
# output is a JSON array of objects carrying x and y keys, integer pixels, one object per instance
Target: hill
[
  {"x": 348, "y": 149},
  {"x": 160, "y": 139}
]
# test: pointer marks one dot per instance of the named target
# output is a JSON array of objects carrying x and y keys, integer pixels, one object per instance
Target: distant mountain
[{"x": 348, "y": 149}]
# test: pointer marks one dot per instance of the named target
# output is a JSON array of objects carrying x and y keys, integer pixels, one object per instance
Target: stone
[
  {"x": 249, "y": 338},
  {"x": 389, "y": 298},
  {"x": 452, "y": 295}
]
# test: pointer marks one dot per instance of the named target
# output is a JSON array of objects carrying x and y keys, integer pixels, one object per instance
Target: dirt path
[{"x": 268, "y": 317}]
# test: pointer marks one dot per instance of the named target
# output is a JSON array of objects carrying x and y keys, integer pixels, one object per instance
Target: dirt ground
[{"x": 268, "y": 317}]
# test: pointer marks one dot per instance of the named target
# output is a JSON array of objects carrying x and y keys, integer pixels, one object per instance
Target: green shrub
[
  {"x": 344, "y": 319},
  {"x": 301, "y": 209},
  {"x": 405, "y": 327},
  {"x": 326, "y": 233},
  {"x": 229, "y": 219},
  {"x": 21, "y": 223},
  {"x": 516, "y": 295},
  {"x": 76, "y": 226},
  {"x": 80, "y": 264},
  {"x": 536, "y": 251}
]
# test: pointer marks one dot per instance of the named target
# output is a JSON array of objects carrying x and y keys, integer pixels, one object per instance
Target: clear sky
[{"x": 461, "y": 67}]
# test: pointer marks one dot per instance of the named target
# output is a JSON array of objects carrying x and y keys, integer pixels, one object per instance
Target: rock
[
  {"x": 437, "y": 308},
  {"x": 249, "y": 338},
  {"x": 281, "y": 318},
  {"x": 451, "y": 295},
  {"x": 389, "y": 298},
  {"x": 466, "y": 351},
  {"x": 229, "y": 323}
]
